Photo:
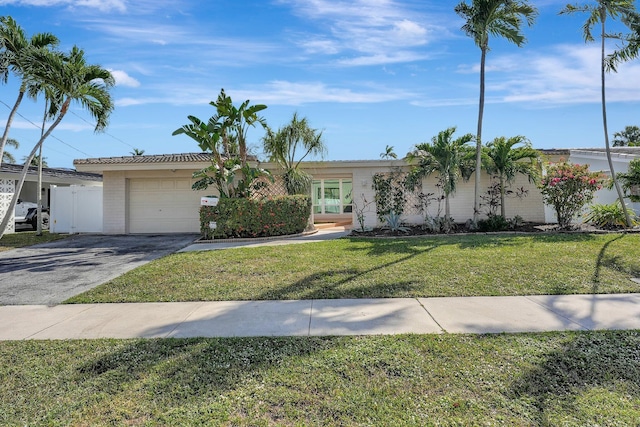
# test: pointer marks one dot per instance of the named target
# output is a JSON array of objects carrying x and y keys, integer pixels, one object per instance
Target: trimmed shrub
[{"x": 236, "y": 217}]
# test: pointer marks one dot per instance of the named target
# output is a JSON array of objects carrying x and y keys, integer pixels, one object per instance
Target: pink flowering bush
[{"x": 568, "y": 188}]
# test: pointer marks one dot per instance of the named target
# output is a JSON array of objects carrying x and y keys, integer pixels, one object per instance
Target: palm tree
[
  {"x": 289, "y": 146},
  {"x": 629, "y": 137},
  {"x": 8, "y": 157},
  {"x": 507, "y": 162},
  {"x": 69, "y": 79},
  {"x": 136, "y": 152},
  {"x": 598, "y": 12},
  {"x": 501, "y": 18},
  {"x": 35, "y": 161},
  {"x": 16, "y": 56},
  {"x": 450, "y": 158}
]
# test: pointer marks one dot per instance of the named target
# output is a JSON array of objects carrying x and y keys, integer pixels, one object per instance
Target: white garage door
[{"x": 163, "y": 206}]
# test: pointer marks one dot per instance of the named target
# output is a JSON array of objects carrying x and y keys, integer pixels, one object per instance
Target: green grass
[
  {"x": 27, "y": 238},
  {"x": 375, "y": 268},
  {"x": 568, "y": 379}
]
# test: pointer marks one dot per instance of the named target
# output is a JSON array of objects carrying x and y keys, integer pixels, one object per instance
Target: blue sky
[{"x": 369, "y": 73}]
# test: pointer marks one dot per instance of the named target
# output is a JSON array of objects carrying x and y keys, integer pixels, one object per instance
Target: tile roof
[
  {"x": 153, "y": 158},
  {"x": 52, "y": 172}
]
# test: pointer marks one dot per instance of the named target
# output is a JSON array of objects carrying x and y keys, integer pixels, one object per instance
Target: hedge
[{"x": 241, "y": 217}]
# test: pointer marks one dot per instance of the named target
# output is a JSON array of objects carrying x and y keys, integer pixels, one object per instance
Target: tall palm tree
[
  {"x": 289, "y": 146},
  {"x": 16, "y": 56},
  {"x": 507, "y": 162},
  {"x": 500, "y": 18},
  {"x": 70, "y": 80},
  {"x": 8, "y": 157},
  {"x": 450, "y": 158},
  {"x": 598, "y": 11}
]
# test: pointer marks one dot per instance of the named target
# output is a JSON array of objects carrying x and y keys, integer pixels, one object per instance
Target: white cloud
[
  {"x": 102, "y": 5},
  {"x": 375, "y": 29},
  {"x": 123, "y": 79},
  {"x": 563, "y": 74},
  {"x": 277, "y": 92}
]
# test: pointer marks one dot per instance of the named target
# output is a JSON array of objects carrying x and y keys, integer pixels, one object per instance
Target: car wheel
[{"x": 45, "y": 222}]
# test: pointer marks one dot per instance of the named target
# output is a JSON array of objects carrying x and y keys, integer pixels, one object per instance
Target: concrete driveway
[{"x": 52, "y": 272}]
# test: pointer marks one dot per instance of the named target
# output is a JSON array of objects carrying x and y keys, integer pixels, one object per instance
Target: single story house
[
  {"x": 152, "y": 193},
  {"x": 10, "y": 174}
]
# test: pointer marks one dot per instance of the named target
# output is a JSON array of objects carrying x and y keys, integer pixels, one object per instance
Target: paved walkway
[{"x": 322, "y": 317}]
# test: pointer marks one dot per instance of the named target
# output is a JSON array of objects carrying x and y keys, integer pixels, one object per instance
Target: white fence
[{"x": 76, "y": 209}]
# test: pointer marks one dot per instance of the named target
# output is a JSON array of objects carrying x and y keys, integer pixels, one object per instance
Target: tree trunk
[
  {"x": 502, "y": 190},
  {"x": 616, "y": 184},
  {"x": 12, "y": 114},
  {"x": 447, "y": 209},
  {"x": 25, "y": 169},
  {"x": 478, "y": 174}
]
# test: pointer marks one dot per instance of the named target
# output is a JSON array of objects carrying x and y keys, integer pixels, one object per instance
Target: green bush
[
  {"x": 609, "y": 216},
  {"x": 241, "y": 217},
  {"x": 494, "y": 223}
]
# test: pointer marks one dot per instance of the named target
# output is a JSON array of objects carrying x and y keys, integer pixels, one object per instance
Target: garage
[{"x": 163, "y": 206}]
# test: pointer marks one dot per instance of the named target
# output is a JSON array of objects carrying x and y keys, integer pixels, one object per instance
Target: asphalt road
[{"x": 52, "y": 272}]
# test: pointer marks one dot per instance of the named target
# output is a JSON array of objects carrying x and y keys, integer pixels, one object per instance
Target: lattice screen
[
  {"x": 271, "y": 189},
  {"x": 7, "y": 188}
]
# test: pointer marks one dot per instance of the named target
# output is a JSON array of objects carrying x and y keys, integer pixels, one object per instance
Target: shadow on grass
[
  {"x": 329, "y": 284},
  {"x": 467, "y": 241},
  {"x": 174, "y": 373},
  {"x": 597, "y": 362}
]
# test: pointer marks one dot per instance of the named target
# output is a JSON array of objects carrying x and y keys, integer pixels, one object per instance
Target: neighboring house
[
  {"x": 10, "y": 174},
  {"x": 596, "y": 158},
  {"x": 152, "y": 193}
]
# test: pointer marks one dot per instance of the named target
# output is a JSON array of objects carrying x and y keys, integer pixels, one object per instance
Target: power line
[
  {"x": 52, "y": 136},
  {"x": 106, "y": 133}
]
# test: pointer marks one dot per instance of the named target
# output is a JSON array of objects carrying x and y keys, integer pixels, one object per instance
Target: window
[{"x": 332, "y": 196}]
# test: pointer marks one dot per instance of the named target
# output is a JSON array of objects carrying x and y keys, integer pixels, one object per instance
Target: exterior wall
[
  {"x": 114, "y": 200},
  {"x": 530, "y": 207}
]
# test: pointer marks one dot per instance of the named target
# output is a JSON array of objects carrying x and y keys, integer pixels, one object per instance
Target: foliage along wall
[{"x": 243, "y": 217}]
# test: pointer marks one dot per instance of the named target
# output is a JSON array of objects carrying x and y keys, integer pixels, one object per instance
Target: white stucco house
[{"x": 152, "y": 193}]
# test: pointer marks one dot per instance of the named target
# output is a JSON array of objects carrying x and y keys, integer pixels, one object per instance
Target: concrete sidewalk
[{"x": 322, "y": 317}]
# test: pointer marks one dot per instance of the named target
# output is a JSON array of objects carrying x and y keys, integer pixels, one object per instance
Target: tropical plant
[
  {"x": 507, "y": 160},
  {"x": 289, "y": 146},
  {"x": 8, "y": 157},
  {"x": 388, "y": 153},
  {"x": 224, "y": 136},
  {"x": 631, "y": 180},
  {"x": 69, "y": 79},
  {"x": 393, "y": 222},
  {"x": 136, "y": 152},
  {"x": 597, "y": 12},
  {"x": 360, "y": 210},
  {"x": 17, "y": 57},
  {"x": 501, "y": 18},
  {"x": 450, "y": 158},
  {"x": 629, "y": 137},
  {"x": 35, "y": 161},
  {"x": 609, "y": 215},
  {"x": 568, "y": 188}
]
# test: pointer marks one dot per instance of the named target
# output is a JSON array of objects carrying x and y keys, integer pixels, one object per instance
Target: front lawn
[
  {"x": 376, "y": 268},
  {"x": 27, "y": 238},
  {"x": 568, "y": 379}
]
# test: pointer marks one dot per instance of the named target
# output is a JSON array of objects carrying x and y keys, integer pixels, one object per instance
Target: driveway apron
[{"x": 52, "y": 272}]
